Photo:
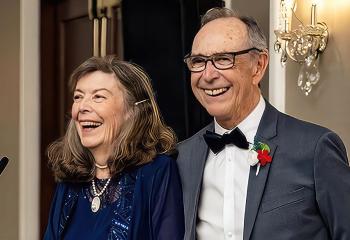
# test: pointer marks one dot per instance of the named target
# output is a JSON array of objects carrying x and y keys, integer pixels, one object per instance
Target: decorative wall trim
[
  {"x": 277, "y": 81},
  {"x": 29, "y": 121}
]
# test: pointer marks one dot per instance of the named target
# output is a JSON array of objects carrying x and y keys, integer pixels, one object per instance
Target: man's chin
[{"x": 217, "y": 113}]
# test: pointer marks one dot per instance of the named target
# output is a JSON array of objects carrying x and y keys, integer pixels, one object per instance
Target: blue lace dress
[
  {"x": 145, "y": 203},
  {"x": 113, "y": 218}
]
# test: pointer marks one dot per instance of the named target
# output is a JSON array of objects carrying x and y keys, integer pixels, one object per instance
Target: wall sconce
[{"x": 302, "y": 45}]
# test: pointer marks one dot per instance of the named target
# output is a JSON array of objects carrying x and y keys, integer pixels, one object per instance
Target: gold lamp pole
[{"x": 99, "y": 12}]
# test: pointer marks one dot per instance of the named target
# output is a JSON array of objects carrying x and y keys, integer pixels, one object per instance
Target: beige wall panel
[{"x": 9, "y": 120}]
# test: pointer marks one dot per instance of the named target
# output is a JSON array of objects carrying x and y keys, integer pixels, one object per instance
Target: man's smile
[{"x": 215, "y": 92}]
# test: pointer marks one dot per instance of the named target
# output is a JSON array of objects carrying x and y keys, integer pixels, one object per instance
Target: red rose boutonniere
[{"x": 259, "y": 154}]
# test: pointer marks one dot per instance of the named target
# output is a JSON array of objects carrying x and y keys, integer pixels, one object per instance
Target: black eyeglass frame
[{"x": 211, "y": 59}]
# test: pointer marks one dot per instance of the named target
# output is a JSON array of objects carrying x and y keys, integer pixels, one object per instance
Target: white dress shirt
[{"x": 225, "y": 181}]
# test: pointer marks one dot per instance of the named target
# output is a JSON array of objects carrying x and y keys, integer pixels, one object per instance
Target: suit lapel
[
  {"x": 199, "y": 157},
  {"x": 266, "y": 131}
]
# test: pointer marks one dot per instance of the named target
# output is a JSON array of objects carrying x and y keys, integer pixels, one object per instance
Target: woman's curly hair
[{"x": 142, "y": 136}]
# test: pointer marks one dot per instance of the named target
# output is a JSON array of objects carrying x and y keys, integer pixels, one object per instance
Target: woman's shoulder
[
  {"x": 160, "y": 163},
  {"x": 68, "y": 184},
  {"x": 157, "y": 175},
  {"x": 63, "y": 187}
]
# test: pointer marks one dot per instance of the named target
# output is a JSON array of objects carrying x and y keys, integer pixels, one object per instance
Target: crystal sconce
[{"x": 302, "y": 45}]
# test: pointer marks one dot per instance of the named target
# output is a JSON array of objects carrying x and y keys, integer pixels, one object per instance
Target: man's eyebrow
[{"x": 215, "y": 53}]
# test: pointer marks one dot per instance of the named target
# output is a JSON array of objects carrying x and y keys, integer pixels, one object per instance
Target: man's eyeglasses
[{"x": 221, "y": 61}]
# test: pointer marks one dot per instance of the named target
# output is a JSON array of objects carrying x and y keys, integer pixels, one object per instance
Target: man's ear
[{"x": 260, "y": 67}]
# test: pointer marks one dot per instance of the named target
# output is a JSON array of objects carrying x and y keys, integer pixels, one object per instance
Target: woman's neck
[
  {"x": 101, "y": 159},
  {"x": 103, "y": 173}
]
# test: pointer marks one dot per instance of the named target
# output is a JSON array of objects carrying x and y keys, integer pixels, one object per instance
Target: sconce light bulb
[
  {"x": 290, "y": 4},
  {"x": 313, "y": 14},
  {"x": 287, "y": 8},
  {"x": 315, "y": 2}
]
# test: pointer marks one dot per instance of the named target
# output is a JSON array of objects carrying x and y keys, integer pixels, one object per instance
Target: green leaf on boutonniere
[
  {"x": 260, "y": 146},
  {"x": 263, "y": 146}
]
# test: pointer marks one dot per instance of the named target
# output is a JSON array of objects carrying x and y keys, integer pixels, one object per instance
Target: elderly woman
[{"x": 116, "y": 178}]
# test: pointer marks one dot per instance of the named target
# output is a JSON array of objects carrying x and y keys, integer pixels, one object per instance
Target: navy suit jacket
[
  {"x": 157, "y": 207},
  {"x": 303, "y": 194}
]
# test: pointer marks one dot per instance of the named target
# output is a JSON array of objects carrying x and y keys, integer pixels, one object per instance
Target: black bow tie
[{"x": 217, "y": 142}]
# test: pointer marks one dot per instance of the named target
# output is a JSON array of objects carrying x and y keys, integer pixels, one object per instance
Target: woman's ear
[{"x": 260, "y": 67}]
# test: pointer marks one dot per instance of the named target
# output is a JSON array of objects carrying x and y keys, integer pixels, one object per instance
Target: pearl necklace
[{"x": 96, "y": 201}]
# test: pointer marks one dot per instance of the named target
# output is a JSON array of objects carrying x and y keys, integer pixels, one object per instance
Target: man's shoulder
[
  {"x": 161, "y": 164},
  {"x": 297, "y": 125},
  {"x": 293, "y": 124}
]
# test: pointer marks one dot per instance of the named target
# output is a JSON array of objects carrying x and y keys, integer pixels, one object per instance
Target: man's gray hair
[{"x": 256, "y": 37}]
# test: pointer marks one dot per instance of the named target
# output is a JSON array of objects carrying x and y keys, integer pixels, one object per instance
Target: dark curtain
[{"x": 157, "y": 34}]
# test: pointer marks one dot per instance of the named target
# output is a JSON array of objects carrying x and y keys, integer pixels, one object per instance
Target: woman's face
[{"x": 98, "y": 110}]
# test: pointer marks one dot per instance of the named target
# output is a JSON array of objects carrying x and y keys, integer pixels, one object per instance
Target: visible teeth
[
  {"x": 91, "y": 124},
  {"x": 215, "y": 92}
]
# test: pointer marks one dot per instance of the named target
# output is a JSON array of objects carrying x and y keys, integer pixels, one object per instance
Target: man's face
[{"x": 228, "y": 95}]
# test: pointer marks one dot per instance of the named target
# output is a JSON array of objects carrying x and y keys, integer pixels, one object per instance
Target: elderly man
[{"x": 255, "y": 173}]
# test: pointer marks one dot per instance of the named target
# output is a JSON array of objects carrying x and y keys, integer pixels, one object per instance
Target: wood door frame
[{"x": 49, "y": 81}]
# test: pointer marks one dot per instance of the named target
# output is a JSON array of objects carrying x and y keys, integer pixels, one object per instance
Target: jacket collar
[{"x": 267, "y": 130}]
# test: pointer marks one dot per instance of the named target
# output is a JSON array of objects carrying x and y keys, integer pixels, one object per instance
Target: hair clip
[{"x": 137, "y": 103}]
